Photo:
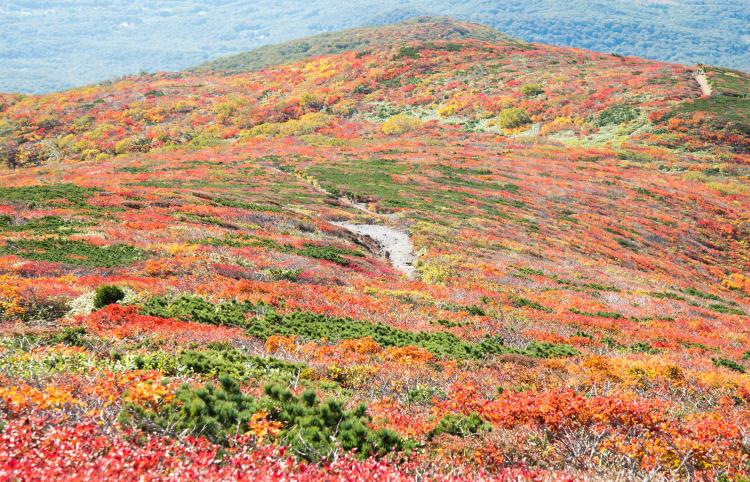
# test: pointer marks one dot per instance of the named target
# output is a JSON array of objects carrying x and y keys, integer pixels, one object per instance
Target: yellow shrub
[
  {"x": 306, "y": 124},
  {"x": 737, "y": 281},
  {"x": 437, "y": 270},
  {"x": 400, "y": 124},
  {"x": 448, "y": 110},
  {"x": 512, "y": 118},
  {"x": 558, "y": 125}
]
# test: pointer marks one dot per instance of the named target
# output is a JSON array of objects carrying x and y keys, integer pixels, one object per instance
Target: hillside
[
  {"x": 459, "y": 255},
  {"x": 48, "y": 45},
  {"x": 359, "y": 39}
]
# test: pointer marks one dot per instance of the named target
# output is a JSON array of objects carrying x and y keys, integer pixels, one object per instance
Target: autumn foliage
[{"x": 578, "y": 306}]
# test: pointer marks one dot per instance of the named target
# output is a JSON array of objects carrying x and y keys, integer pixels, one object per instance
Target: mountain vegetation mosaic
[{"x": 182, "y": 296}]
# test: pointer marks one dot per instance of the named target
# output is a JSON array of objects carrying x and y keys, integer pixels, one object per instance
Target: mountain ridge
[{"x": 440, "y": 28}]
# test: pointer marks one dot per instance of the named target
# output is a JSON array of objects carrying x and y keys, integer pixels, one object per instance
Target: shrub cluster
[
  {"x": 312, "y": 428},
  {"x": 512, "y": 118},
  {"x": 199, "y": 310},
  {"x": 106, "y": 295},
  {"x": 313, "y": 326},
  {"x": 73, "y": 252},
  {"x": 617, "y": 114}
]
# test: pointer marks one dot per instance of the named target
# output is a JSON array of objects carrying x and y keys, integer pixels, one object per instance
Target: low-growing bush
[
  {"x": 278, "y": 274},
  {"x": 227, "y": 361},
  {"x": 407, "y": 52},
  {"x": 315, "y": 429},
  {"x": 512, "y": 118},
  {"x": 532, "y": 90},
  {"x": 106, "y": 295},
  {"x": 47, "y": 195},
  {"x": 399, "y": 124},
  {"x": 460, "y": 425},
  {"x": 215, "y": 412},
  {"x": 313, "y": 326},
  {"x": 73, "y": 252},
  {"x": 199, "y": 310},
  {"x": 727, "y": 363},
  {"x": 617, "y": 114},
  {"x": 312, "y": 428},
  {"x": 328, "y": 253}
]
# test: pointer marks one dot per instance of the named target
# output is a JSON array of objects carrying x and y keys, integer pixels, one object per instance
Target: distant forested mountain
[{"x": 54, "y": 44}]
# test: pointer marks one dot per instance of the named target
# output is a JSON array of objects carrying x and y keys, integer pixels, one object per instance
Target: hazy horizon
[{"x": 53, "y": 45}]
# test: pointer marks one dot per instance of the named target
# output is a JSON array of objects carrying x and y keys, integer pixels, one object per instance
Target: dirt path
[
  {"x": 395, "y": 245},
  {"x": 702, "y": 80}
]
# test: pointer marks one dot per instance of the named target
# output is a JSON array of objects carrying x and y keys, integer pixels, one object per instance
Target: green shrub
[
  {"x": 532, "y": 90},
  {"x": 46, "y": 224},
  {"x": 617, "y": 114},
  {"x": 227, "y": 361},
  {"x": 460, "y": 425},
  {"x": 729, "y": 310},
  {"x": 475, "y": 310},
  {"x": 73, "y": 252},
  {"x": 199, "y": 310},
  {"x": 328, "y": 253},
  {"x": 423, "y": 395},
  {"x": 727, "y": 363},
  {"x": 700, "y": 294},
  {"x": 407, "y": 52},
  {"x": 71, "y": 336},
  {"x": 278, "y": 274},
  {"x": 314, "y": 429},
  {"x": 313, "y": 326},
  {"x": 643, "y": 347},
  {"x": 600, "y": 314},
  {"x": 215, "y": 412},
  {"x": 107, "y": 295},
  {"x": 311, "y": 428},
  {"x": 519, "y": 302},
  {"x": 512, "y": 118},
  {"x": 47, "y": 195}
]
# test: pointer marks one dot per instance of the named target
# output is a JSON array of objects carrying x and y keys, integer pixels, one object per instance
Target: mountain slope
[
  {"x": 50, "y": 45},
  {"x": 594, "y": 97},
  {"x": 580, "y": 292},
  {"x": 361, "y": 39}
]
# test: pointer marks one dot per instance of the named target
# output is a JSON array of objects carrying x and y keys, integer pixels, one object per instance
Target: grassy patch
[
  {"x": 76, "y": 253},
  {"x": 47, "y": 195}
]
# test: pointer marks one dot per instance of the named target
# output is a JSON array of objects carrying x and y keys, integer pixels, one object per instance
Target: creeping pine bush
[
  {"x": 312, "y": 428},
  {"x": 730, "y": 364},
  {"x": 107, "y": 295},
  {"x": 617, "y": 114},
  {"x": 73, "y": 252},
  {"x": 314, "y": 326},
  {"x": 219, "y": 360},
  {"x": 287, "y": 274},
  {"x": 460, "y": 425},
  {"x": 199, "y": 310},
  {"x": 216, "y": 412},
  {"x": 407, "y": 52}
]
